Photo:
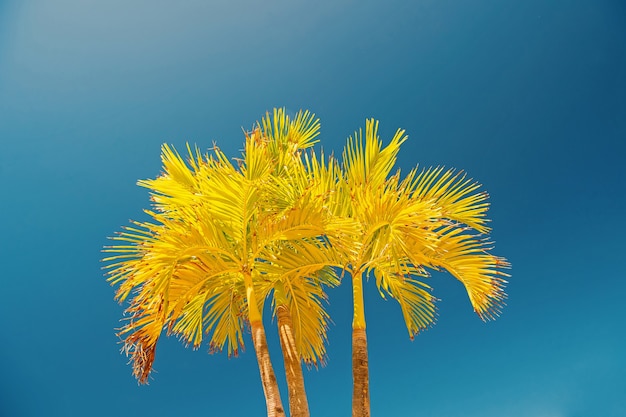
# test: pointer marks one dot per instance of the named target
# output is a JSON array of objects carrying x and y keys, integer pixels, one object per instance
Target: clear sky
[{"x": 529, "y": 97}]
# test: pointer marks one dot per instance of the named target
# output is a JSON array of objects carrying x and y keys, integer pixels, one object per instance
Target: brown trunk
[
  {"x": 360, "y": 375},
  {"x": 268, "y": 379},
  {"x": 298, "y": 405}
]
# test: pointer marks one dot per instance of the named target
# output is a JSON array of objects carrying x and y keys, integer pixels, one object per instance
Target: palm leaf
[
  {"x": 302, "y": 268},
  {"x": 365, "y": 161},
  {"x": 467, "y": 258},
  {"x": 284, "y": 133},
  {"x": 397, "y": 279},
  {"x": 454, "y": 194}
]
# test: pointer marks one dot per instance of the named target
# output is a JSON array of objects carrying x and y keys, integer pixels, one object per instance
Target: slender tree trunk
[
  {"x": 268, "y": 378},
  {"x": 360, "y": 368},
  {"x": 360, "y": 375},
  {"x": 298, "y": 405}
]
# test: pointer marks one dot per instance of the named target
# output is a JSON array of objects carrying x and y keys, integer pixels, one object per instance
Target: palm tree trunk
[
  {"x": 298, "y": 405},
  {"x": 360, "y": 368},
  {"x": 268, "y": 378},
  {"x": 360, "y": 375}
]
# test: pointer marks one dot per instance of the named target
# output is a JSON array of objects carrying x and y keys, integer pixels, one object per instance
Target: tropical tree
[
  {"x": 300, "y": 253},
  {"x": 223, "y": 238},
  {"x": 429, "y": 219}
]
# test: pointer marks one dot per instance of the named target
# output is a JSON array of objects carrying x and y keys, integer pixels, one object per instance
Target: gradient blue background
[{"x": 529, "y": 97}]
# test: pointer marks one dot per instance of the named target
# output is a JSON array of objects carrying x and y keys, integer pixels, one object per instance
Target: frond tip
[
  {"x": 141, "y": 353},
  {"x": 467, "y": 258},
  {"x": 488, "y": 304}
]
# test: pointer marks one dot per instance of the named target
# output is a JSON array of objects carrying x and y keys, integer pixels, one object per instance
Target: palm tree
[
  {"x": 299, "y": 254},
  {"x": 224, "y": 237},
  {"x": 430, "y": 219}
]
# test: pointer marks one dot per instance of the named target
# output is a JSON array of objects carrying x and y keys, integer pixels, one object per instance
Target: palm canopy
[
  {"x": 223, "y": 234},
  {"x": 429, "y": 219}
]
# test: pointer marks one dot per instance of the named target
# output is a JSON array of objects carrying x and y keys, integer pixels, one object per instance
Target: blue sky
[{"x": 528, "y": 97}]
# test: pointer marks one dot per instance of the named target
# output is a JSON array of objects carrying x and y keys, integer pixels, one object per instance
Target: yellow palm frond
[
  {"x": 365, "y": 161},
  {"x": 467, "y": 258},
  {"x": 197, "y": 288},
  {"x": 397, "y": 279},
  {"x": 326, "y": 186},
  {"x": 258, "y": 161},
  {"x": 297, "y": 214},
  {"x": 144, "y": 325},
  {"x": 301, "y": 269},
  {"x": 305, "y": 298},
  {"x": 230, "y": 201},
  {"x": 190, "y": 324},
  {"x": 177, "y": 185},
  {"x": 210, "y": 300},
  {"x": 142, "y": 334},
  {"x": 455, "y": 195},
  {"x": 294, "y": 134}
]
